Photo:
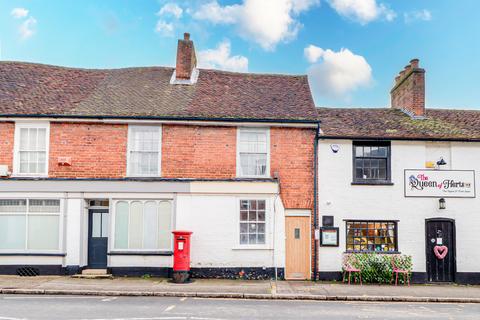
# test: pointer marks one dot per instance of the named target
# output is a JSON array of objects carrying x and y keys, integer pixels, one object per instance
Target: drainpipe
[{"x": 315, "y": 200}]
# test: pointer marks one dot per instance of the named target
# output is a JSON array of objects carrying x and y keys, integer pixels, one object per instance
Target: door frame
[
  {"x": 454, "y": 242},
  {"x": 89, "y": 234},
  {"x": 306, "y": 214}
]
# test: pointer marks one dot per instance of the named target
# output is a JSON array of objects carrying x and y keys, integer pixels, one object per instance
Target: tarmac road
[{"x": 16, "y": 307}]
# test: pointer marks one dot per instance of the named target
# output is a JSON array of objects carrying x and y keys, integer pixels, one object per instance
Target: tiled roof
[
  {"x": 35, "y": 89},
  {"x": 375, "y": 123}
]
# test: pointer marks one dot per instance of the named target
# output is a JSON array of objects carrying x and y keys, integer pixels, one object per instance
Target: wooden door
[
  {"x": 440, "y": 232},
  {"x": 297, "y": 231}
]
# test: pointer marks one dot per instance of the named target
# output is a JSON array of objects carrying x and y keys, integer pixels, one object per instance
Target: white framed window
[
  {"x": 253, "y": 152},
  {"x": 31, "y": 149},
  {"x": 144, "y": 151},
  {"x": 253, "y": 222},
  {"x": 142, "y": 225},
  {"x": 30, "y": 225}
]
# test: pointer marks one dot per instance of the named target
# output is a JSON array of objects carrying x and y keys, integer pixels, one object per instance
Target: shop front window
[{"x": 371, "y": 236}]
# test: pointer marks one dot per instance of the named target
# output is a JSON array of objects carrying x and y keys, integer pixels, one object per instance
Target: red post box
[{"x": 181, "y": 256}]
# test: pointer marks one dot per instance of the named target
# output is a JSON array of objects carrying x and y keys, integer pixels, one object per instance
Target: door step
[{"x": 93, "y": 274}]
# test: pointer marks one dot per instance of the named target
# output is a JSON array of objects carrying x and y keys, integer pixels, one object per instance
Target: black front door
[
  {"x": 441, "y": 262},
  {"x": 97, "y": 238}
]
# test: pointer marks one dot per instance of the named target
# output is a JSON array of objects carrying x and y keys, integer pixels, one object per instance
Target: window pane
[
  {"x": 44, "y": 205},
  {"x": 13, "y": 205},
  {"x": 96, "y": 224},
  {"x": 150, "y": 226},
  {"x": 135, "y": 228},
  {"x": 165, "y": 225},
  {"x": 41, "y": 142},
  {"x": 43, "y": 232},
  {"x": 12, "y": 231},
  {"x": 105, "y": 224},
  {"x": 121, "y": 225},
  {"x": 359, "y": 151},
  {"x": 23, "y": 139}
]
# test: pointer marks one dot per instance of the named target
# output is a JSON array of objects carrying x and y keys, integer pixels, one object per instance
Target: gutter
[
  {"x": 159, "y": 118},
  {"x": 366, "y": 138},
  {"x": 315, "y": 200}
]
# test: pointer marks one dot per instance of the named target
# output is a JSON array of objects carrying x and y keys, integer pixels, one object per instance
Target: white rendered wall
[
  {"x": 214, "y": 220},
  {"x": 339, "y": 198}
]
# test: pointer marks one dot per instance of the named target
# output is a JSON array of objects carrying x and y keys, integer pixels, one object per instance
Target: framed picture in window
[{"x": 329, "y": 236}]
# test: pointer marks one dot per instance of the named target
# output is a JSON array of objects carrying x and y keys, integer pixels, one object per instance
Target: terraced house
[
  {"x": 401, "y": 180},
  {"x": 99, "y": 166}
]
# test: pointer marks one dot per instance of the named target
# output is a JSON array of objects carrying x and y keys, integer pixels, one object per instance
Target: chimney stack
[
  {"x": 408, "y": 93},
  {"x": 186, "y": 58}
]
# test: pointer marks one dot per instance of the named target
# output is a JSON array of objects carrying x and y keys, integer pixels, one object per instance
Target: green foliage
[{"x": 376, "y": 267}]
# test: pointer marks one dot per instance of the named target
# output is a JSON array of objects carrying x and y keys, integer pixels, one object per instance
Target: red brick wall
[
  {"x": 199, "y": 152},
  {"x": 96, "y": 150},
  {"x": 7, "y": 132},
  {"x": 292, "y": 157}
]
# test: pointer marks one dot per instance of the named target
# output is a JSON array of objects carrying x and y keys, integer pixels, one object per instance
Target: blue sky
[{"x": 351, "y": 49}]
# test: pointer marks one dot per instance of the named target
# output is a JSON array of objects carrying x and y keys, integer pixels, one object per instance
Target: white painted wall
[{"x": 339, "y": 198}]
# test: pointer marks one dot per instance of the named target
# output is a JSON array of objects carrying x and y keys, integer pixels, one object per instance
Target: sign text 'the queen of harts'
[{"x": 440, "y": 183}]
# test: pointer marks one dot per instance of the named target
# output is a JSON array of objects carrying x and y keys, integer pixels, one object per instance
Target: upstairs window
[
  {"x": 31, "y": 149},
  {"x": 371, "y": 162},
  {"x": 253, "y": 153},
  {"x": 144, "y": 146}
]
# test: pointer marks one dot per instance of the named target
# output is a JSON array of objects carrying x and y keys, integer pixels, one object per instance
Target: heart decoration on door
[{"x": 440, "y": 252}]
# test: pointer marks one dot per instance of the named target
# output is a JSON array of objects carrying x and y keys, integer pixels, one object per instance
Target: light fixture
[
  {"x": 441, "y": 162},
  {"x": 442, "y": 204}
]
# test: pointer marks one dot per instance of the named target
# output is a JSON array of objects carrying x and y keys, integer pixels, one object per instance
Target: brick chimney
[
  {"x": 186, "y": 58},
  {"x": 408, "y": 93}
]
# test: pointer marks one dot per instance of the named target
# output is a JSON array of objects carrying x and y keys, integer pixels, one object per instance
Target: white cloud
[
  {"x": 266, "y": 22},
  {"x": 164, "y": 28},
  {"x": 220, "y": 58},
  {"x": 171, "y": 9},
  {"x": 423, "y": 15},
  {"x": 27, "y": 28},
  {"x": 339, "y": 73},
  {"x": 313, "y": 53},
  {"x": 362, "y": 11},
  {"x": 18, "y": 13}
]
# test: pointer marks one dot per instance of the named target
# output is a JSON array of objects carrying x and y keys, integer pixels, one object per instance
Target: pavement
[
  {"x": 46, "y": 307},
  {"x": 240, "y": 289}
]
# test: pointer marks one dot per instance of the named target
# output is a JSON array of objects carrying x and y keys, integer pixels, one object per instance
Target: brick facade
[
  {"x": 96, "y": 150},
  {"x": 7, "y": 132},
  {"x": 292, "y": 158},
  {"x": 198, "y": 152}
]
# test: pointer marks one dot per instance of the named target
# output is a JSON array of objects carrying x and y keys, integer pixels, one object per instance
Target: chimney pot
[
  {"x": 415, "y": 63},
  {"x": 186, "y": 36}
]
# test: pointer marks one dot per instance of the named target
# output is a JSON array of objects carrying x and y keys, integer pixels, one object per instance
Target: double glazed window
[
  {"x": 144, "y": 146},
  {"x": 29, "y": 224},
  {"x": 31, "y": 149},
  {"x": 143, "y": 225},
  {"x": 371, "y": 236},
  {"x": 253, "y": 149},
  {"x": 252, "y": 221},
  {"x": 371, "y": 162}
]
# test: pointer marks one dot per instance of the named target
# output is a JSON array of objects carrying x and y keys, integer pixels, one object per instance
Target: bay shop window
[
  {"x": 29, "y": 225},
  {"x": 143, "y": 225},
  {"x": 371, "y": 236}
]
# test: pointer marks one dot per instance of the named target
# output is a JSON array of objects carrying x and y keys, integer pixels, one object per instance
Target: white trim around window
[
  {"x": 244, "y": 149},
  {"x": 146, "y": 151},
  {"x": 28, "y": 141},
  {"x": 268, "y": 222}
]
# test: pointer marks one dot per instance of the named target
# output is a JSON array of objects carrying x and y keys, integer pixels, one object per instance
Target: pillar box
[{"x": 181, "y": 256}]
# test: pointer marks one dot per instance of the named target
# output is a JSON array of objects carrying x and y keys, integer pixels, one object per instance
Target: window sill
[
  {"x": 33, "y": 254},
  {"x": 377, "y": 252},
  {"x": 140, "y": 253},
  {"x": 372, "y": 183},
  {"x": 252, "y": 247},
  {"x": 33, "y": 176}
]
